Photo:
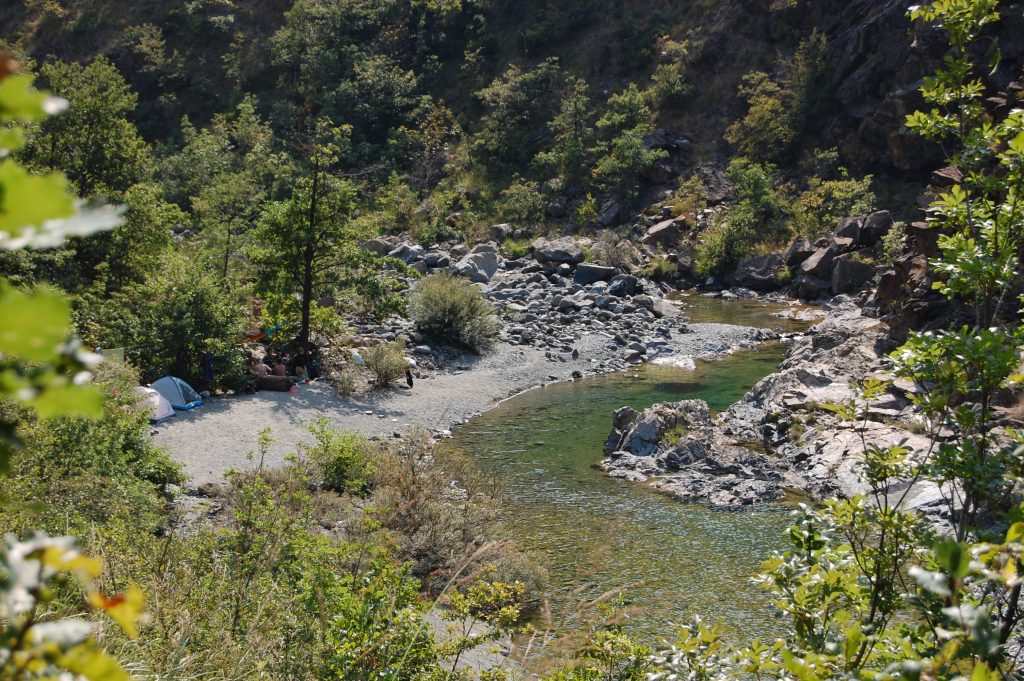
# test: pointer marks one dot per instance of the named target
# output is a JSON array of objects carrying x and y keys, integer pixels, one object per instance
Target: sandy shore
[{"x": 217, "y": 437}]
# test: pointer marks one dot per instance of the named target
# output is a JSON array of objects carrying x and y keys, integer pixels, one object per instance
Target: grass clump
[
  {"x": 386, "y": 362},
  {"x": 454, "y": 310}
]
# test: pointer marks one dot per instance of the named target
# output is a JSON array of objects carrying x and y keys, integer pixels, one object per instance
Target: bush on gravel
[
  {"x": 453, "y": 310},
  {"x": 387, "y": 363}
]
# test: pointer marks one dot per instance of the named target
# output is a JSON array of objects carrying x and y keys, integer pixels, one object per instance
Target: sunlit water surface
[{"x": 595, "y": 534}]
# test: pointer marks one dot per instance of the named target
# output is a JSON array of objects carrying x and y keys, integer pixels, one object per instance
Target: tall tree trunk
[{"x": 308, "y": 256}]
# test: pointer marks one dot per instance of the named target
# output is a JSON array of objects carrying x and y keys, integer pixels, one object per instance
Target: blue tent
[{"x": 180, "y": 394}]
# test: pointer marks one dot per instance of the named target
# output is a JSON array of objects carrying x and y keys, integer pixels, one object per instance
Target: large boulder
[
  {"x": 798, "y": 251},
  {"x": 665, "y": 233},
  {"x": 819, "y": 264},
  {"x": 479, "y": 265},
  {"x": 589, "y": 273},
  {"x": 380, "y": 245},
  {"x": 875, "y": 226},
  {"x": 407, "y": 253},
  {"x": 624, "y": 285},
  {"x": 849, "y": 274},
  {"x": 561, "y": 250},
  {"x": 761, "y": 273},
  {"x": 810, "y": 287},
  {"x": 609, "y": 213}
]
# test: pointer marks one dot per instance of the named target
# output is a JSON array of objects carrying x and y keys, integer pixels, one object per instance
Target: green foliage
[
  {"x": 623, "y": 125},
  {"x": 777, "y": 109},
  {"x": 516, "y": 105},
  {"x": 669, "y": 86},
  {"x": 94, "y": 142},
  {"x": 571, "y": 152},
  {"x": 586, "y": 212},
  {"x": 42, "y": 377},
  {"x": 825, "y": 202},
  {"x": 758, "y": 216},
  {"x": 387, "y": 363},
  {"x": 345, "y": 459},
  {"x": 169, "y": 321},
  {"x": 454, "y": 310},
  {"x": 521, "y": 204}
]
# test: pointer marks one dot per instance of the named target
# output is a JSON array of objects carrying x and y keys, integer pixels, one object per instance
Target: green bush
[
  {"x": 387, "y": 362},
  {"x": 454, "y": 310},
  {"x": 521, "y": 204},
  {"x": 345, "y": 459},
  {"x": 826, "y": 202},
  {"x": 726, "y": 242}
]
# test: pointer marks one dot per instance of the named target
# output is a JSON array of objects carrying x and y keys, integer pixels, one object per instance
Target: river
[{"x": 595, "y": 534}]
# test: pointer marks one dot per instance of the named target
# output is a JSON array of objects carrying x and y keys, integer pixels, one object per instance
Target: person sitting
[
  {"x": 258, "y": 368},
  {"x": 304, "y": 358}
]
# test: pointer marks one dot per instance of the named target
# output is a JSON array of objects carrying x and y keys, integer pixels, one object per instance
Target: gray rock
[
  {"x": 479, "y": 265},
  {"x": 798, "y": 251},
  {"x": 761, "y": 273},
  {"x": 849, "y": 274},
  {"x": 380, "y": 245},
  {"x": 561, "y": 250},
  {"x": 590, "y": 273},
  {"x": 819, "y": 264},
  {"x": 609, "y": 213},
  {"x": 623, "y": 285},
  {"x": 666, "y": 233}
]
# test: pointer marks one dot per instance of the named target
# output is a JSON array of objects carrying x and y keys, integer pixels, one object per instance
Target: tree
[
  {"x": 517, "y": 105},
  {"x": 571, "y": 152},
  {"x": 308, "y": 244},
  {"x": 94, "y": 142},
  {"x": 624, "y": 124}
]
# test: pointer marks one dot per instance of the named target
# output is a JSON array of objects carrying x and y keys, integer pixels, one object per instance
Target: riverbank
[{"x": 217, "y": 437}]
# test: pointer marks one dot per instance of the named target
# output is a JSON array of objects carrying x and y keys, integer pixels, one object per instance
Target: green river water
[{"x": 596, "y": 534}]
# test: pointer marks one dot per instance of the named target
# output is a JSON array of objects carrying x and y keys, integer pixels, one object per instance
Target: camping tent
[
  {"x": 160, "y": 408},
  {"x": 179, "y": 393}
]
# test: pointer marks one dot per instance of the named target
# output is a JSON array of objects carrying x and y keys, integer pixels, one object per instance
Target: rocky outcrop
[
  {"x": 676, "y": 447},
  {"x": 778, "y": 436},
  {"x": 479, "y": 265}
]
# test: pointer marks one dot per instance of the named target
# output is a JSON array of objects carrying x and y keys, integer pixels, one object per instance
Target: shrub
[
  {"x": 521, "y": 203},
  {"x": 726, "y": 242},
  {"x": 691, "y": 196},
  {"x": 387, "y": 362},
  {"x": 893, "y": 242},
  {"x": 586, "y": 212},
  {"x": 345, "y": 459},
  {"x": 452, "y": 309},
  {"x": 612, "y": 252},
  {"x": 826, "y": 202}
]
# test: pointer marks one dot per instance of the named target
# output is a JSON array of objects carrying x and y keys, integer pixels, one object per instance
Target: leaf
[
  {"x": 19, "y": 101},
  {"x": 125, "y": 609},
  {"x": 90, "y": 663},
  {"x": 33, "y": 325},
  {"x": 69, "y": 400},
  {"x": 30, "y": 200},
  {"x": 1015, "y": 532}
]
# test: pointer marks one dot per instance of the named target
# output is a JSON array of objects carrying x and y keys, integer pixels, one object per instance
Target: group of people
[{"x": 301, "y": 364}]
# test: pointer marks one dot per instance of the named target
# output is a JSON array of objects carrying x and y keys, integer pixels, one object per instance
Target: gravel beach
[{"x": 216, "y": 438}]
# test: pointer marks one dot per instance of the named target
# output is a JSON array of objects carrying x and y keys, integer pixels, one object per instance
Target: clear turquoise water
[
  {"x": 745, "y": 312},
  {"x": 597, "y": 534}
]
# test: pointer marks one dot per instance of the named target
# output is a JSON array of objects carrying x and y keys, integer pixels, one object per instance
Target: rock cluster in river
[{"x": 777, "y": 436}]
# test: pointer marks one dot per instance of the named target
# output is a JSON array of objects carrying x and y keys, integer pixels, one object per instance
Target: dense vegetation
[{"x": 248, "y": 182}]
